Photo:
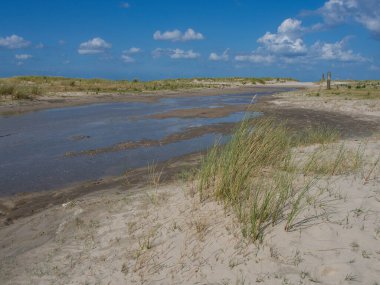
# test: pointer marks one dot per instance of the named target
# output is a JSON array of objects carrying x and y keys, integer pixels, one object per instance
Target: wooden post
[{"x": 328, "y": 80}]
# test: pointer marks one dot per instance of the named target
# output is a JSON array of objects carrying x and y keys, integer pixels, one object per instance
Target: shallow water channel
[{"x": 33, "y": 145}]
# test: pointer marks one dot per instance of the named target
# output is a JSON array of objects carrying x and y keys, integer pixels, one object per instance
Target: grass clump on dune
[
  {"x": 256, "y": 175},
  {"x": 19, "y": 92},
  {"x": 247, "y": 174},
  {"x": 331, "y": 161},
  {"x": 247, "y": 152},
  {"x": 315, "y": 135}
]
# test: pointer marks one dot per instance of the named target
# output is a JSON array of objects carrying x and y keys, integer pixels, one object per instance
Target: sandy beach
[{"x": 152, "y": 227}]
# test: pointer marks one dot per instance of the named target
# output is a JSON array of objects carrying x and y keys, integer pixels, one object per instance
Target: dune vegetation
[
  {"x": 350, "y": 90},
  {"x": 260, "y": 176},
  {"x": 28, "y": 87}
]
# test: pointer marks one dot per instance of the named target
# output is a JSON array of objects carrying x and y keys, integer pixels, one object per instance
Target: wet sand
[
  {"x": 217, "y": 112},
  {"x": 120, "y": 130},
  {"x": 189, "y": 133},
  {"x": 298, "y": 117},
  {"x": 27, "y": 204}
]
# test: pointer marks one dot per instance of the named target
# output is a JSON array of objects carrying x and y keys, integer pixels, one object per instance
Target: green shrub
[
  {"x": 7, "y": 89},
  {"x": 22, "y": 94}
]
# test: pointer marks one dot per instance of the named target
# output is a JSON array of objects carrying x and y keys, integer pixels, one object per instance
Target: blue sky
[{"x": 150, "y": 39}]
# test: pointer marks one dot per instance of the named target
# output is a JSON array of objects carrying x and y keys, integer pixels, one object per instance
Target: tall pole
[{"x": 328, "y": 80}]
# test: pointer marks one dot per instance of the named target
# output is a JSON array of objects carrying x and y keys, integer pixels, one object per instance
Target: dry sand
[
  {"x": 356, "y": 107},
  {"x": 163, "y": 234}
]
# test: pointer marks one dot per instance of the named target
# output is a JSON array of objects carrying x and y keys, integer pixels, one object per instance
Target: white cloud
[
  {"x": 371, "y": 22},
  {"x": 283, "y": 44},
  {"x": 287, "y": 41},
  {"x": 290, "y": 26},
  {"x": 158, "y": 52},
  {"x": 40, "y": 45},
  {"x": 336, "y": 52},
  {"x": 127, "y": 59},
  {"x": 255, "y": 58},
  {"x": 23, "y": 56},
  {"x": 94, "y": 46},
  {"x": 177, "y": 35},
  {"x": 125, "y": 5},
  {"x": 191, "y": 35},
  {"x": 364, "y": 12},
  {"x": 175, "y": 53},
  {"x": 178, "y": 53},
  {"x": 287, "y": 46},
  {"x": 223, "y": 57},
  {"x": 132, "y": 50},
  {"x": 126, "y": 56},
  {"x": 14, "y": 42},
  {"x": 336, "y": 11}
]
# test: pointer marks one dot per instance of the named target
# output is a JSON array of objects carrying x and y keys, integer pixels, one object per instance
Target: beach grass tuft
[
  {"x": 255, "y": 173},
  {"x": 247, "y": 175},
  {"x": 19, "y": 92},
  {"x": 321, "y": 134},
  {"x": 334, "y": 160}
]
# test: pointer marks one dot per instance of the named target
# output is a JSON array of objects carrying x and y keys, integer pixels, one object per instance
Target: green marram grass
[
  {"x": 321, "y": 134},
  {"x": 331, "y": 161},
  {"x": 254, "y": 173},
  {"x": 246, "y": 175}
]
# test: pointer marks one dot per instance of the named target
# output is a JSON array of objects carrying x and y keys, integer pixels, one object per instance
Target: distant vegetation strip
[
  {"x": 27, "y": 87},
  {"x": 367, "y": 89}
]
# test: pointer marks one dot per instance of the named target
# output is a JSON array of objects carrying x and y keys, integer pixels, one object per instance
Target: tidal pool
[{"x": 33, "y": 145}]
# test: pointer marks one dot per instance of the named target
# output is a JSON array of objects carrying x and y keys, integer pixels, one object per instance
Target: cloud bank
[
  {"x": 364, "y": 12},
  {"x": 287, "y": 45}
]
